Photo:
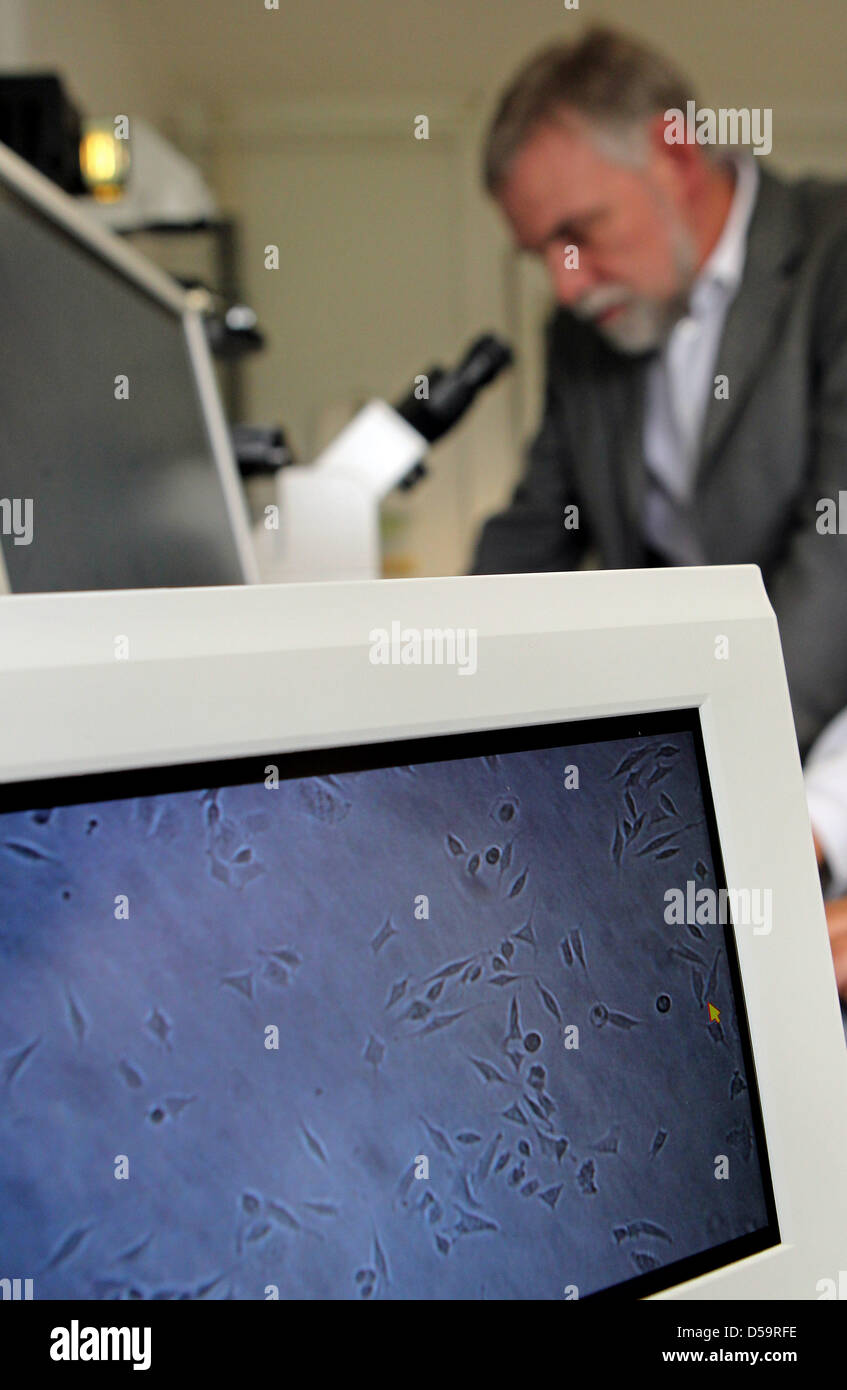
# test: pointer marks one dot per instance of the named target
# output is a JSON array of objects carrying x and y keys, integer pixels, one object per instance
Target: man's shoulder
[
  {"x": 820, "y": 195},
  {"x": 819, "y": 204},
  {"x": 812, "y": 243}
]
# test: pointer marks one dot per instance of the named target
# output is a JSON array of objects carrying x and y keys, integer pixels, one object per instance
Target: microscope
[{"x": 325, "y": 522}]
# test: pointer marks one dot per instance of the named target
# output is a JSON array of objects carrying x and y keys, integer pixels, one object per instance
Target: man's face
[{"x": 637, "y": 256}]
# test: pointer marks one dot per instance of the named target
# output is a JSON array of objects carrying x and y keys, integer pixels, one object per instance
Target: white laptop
[{"x": 438, "y": 939}]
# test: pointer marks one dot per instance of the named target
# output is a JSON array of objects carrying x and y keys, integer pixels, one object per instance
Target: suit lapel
[
  {"x": 606, "y": 400},
  {"x": 626, "y": 424},
  {"x": 754, "y": 314}
]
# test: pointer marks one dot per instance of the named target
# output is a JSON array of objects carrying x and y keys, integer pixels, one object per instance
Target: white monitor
[
  {"x": 116, "y": 466},
  {"x": 379, "y": 935}
]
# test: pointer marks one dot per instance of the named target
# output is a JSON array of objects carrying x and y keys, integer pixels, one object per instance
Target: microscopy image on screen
[{"x": 401, "y": 1032}]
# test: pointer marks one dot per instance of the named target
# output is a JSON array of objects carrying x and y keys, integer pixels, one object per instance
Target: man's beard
[{"x": 645, "y": 323}]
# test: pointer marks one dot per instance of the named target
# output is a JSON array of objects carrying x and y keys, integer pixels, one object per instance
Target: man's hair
[{"x": 612, "y": 81}]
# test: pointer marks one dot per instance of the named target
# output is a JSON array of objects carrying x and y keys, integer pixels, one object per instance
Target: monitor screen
[
  {"x": 103, "y": 442},
  {"x": 408, "y": 1020}
]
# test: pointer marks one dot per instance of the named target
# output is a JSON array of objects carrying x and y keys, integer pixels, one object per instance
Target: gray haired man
[{"x": 696, "y": 385}]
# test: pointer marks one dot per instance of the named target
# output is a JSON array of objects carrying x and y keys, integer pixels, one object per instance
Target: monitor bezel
[{"x": 214, "y": 673}]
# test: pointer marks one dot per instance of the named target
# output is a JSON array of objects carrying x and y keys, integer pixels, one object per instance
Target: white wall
[
  {"x": 13, "y": 38},
  {"x": 376, "y": 281},
  {"x": 109, "y": 51}
]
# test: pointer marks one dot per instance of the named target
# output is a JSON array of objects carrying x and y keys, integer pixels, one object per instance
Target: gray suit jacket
[{"x": 769, "y": 452}]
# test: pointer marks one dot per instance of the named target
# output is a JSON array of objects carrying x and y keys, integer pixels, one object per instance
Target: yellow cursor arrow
[{"x": 714, "y": 1014}]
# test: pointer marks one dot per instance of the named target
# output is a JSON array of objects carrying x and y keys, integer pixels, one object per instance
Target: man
[{"x": 696, "y": 394}]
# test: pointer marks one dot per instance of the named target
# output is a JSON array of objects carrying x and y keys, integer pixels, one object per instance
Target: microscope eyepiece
[{"x": 451, "y": 392}]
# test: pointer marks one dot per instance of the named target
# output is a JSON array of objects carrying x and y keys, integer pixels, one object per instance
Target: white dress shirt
[
  {"x": 680, "y": 380},
  {"x": 825, "y": 774}
]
